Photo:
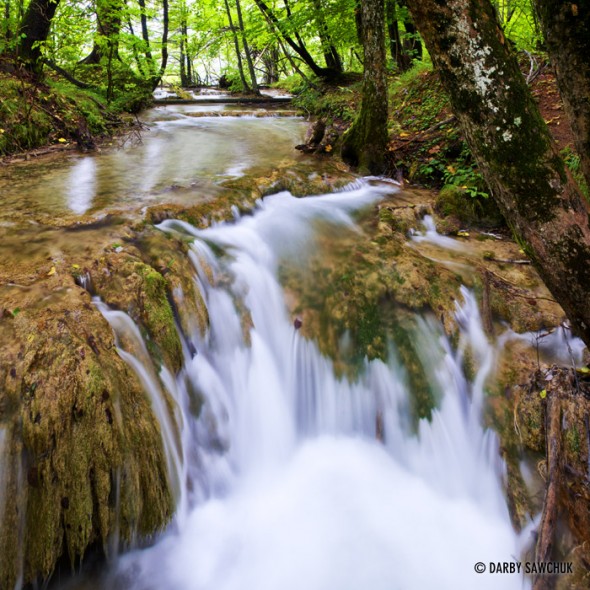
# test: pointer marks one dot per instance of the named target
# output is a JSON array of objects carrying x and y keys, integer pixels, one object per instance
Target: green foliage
[
  {"x": 572, "y": 161},
  {"x": 329, "y": 102},
  {"x": 518, "y": 20}
]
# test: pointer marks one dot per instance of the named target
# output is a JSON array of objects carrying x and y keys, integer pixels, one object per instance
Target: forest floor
[
  {"x": 48, "y": 116},
  {"x": 426, "y": 147}
]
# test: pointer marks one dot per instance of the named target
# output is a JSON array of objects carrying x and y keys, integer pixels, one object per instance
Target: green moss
[
  {"x": 83, "y": 430},
  {"x": 158, "y": 317},
  {"x": 572, "y": 440}
]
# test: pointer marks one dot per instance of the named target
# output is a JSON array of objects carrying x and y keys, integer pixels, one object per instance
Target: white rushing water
[{"x": 286, "y": 482}]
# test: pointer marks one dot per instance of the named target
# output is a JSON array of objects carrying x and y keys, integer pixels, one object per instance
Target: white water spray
[{"x": 290, "y": 487}]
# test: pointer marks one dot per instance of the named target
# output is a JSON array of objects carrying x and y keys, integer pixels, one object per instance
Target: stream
[{"x": 286, "y": 474}]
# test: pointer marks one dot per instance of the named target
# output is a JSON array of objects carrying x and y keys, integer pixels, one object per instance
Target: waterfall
[{"x": 295, "y": 478}]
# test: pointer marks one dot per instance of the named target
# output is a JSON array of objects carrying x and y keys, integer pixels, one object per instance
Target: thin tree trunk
[
  {"x": 512, "y": 145},
  {"x": 299, "y": 48},
  {"x": 566, "y": 27},
  {"x": 164, "y": 62},
  {"x": 365, "y": 142},
  {"x": 183, "y": 78},
  {"x": 255, "y": 89},
  {"x": 146, "y": 39},
  {"x": 34, "y": 30},
  {"x": 290, "y": 59},
  {"x": 237, "y": 47},
  {"x": 414, "y": 45},
  {"x": 7, "y": 33},
  {"x": 134, "y": 46},
  {"x": 330, "y": 52},
  {"x": 398, "y": 54}
]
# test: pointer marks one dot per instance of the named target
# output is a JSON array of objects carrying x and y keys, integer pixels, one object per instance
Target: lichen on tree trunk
[
  {"x": 365, "y": 142},
  {"x": 512, "y": 145}
]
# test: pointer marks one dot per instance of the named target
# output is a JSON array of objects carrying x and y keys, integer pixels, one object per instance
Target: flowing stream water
[
  {"x": 289, "y": 476},
  {"x": 295, "y": 478}
]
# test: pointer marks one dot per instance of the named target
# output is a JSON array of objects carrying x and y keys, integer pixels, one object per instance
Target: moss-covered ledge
[{"x": 83, "y": 455}]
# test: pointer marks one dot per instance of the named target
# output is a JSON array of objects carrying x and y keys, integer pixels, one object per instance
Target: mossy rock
[
  {"x": 455, "y": 202},
  {"x": 125, "y": 282},
  {"x": 78, "y": 427}
]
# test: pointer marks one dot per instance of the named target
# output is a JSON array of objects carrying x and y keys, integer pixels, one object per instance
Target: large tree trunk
[
  {"x": 510, "y": 141},
  {"x": 365, "y": 142},
  {"x": 34, "y": 30},
  {"x": 566, "y": 27}
]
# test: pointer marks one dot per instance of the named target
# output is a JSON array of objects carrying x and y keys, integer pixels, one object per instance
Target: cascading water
[{"x": 295, "y": 478}]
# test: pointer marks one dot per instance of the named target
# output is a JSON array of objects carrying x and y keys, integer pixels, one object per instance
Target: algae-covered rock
[
  {"x": 83, "y": 451},
  {"x": 125, "y": 282}
]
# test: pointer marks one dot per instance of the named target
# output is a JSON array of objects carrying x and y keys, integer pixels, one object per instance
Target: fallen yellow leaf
[{"x": 51, "y": 272}]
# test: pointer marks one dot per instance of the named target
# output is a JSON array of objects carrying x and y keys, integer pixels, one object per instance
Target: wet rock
[{"x": 65, "y": 458}]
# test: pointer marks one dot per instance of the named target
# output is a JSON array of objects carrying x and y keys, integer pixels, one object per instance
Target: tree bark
[
  {"x": 34, "y": 30},
  {"x": 396, "y": 48},
  {"x": 255, "y": 89},
  {"x": 164, "y": 53},
  {"x": 331, "y": 55},
  {"x": 299, "y": 48},
  {"x": 365, "y": 142},
  {"x": 566, "y": 27},
  {"x": 108, "y": 26},
  {"x": 237, "y": 47},
  {"x": 512, "y": 145}
]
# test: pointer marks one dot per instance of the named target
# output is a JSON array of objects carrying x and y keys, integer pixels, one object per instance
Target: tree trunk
[
  {"x": 6, "y": 32},
  {"x": 365, "y": 142},
  {"x": 108, "y": 27},
  {"x": 414, "y": 45},
  {"x": 164, "y": 61},
  {"x": 255, "y": 89},
  {"x": 146, "y": 39},
  {"x": 510, "y": 141},
  {"x": 566, "y": 27},
  {"x": 237, "y": 46},
  {"x": 398, "y": 53},
  {"x": 299, "y": 48},
  {"x": 34, "y": 30},
  {"x": 331, "y": 56}
]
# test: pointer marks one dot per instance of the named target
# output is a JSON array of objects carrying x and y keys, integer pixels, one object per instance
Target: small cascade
[
  {"x": 431, "y": 235},
  {"x": 298, "y": 478},
  {"x": 84, "y": 280},
  {"x": 163, "y": 392}
]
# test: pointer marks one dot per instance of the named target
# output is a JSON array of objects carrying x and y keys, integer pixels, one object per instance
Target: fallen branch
[
  {"x": 425, "y": 133},
  {"x": 509, "y": 260},
  {"x": 546, "y": 531}
]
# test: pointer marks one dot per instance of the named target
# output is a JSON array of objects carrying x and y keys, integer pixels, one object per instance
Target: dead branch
[{"x": 546, "y": 531}]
